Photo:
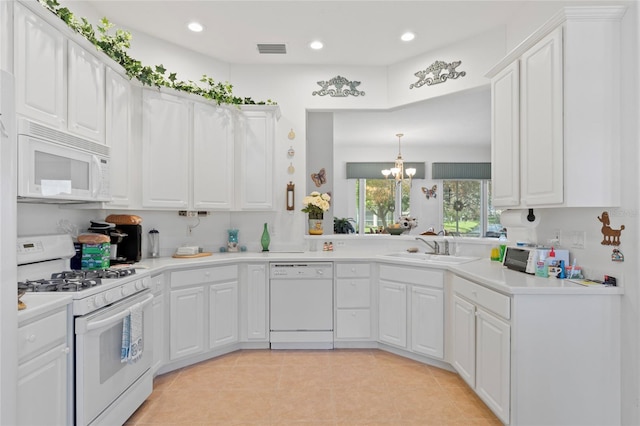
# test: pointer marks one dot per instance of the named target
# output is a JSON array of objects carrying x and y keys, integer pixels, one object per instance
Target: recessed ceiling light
[
  {"x": 408, "y": 36},
  {"x": 195, "y": 27},
  {"x": 316, "y": 45}
]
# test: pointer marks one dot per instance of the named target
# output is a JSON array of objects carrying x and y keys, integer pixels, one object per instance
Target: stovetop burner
[{"x": 73, "y": 281}]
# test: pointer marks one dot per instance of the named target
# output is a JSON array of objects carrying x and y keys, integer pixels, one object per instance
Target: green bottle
[{"x": 265, "y": 240}]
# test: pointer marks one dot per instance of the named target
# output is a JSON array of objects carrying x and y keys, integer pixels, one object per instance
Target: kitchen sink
[{"x": 432, "y": 258}]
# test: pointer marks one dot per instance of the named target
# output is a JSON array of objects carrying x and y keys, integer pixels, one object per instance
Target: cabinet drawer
[
  {"x": 353, "y": 293},
  {"x": 348, "y": 270},
  {"x": 406, "y": 275},
  {"x": 204, "y": 275},
  {"x": 353, "y": 324},
  {"x": 493, "y": 301},
  {"x": 38, "y": 335}
]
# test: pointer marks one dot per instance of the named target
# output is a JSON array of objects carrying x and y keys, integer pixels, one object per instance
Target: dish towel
[
  {"x": 132, "y": 341},
  {"x": 126, "y": 339},
  {"x": 136, "y": 343}
]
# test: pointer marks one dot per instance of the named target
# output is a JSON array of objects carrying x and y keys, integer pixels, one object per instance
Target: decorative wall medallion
[
  {"x": 617, "y": 256},
  {"x": 610, "y": 236},
  {"x": 339, "y": 82},
  {"x": 441, "y": 72},
  {"x": 291, "y": 135},
  {"x": 291, "y": 152}
]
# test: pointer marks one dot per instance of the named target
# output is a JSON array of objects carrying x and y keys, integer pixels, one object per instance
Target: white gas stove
[{"x": 108, "y": 306}]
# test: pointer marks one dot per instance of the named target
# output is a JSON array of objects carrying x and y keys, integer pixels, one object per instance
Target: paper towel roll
[{"x": 518, "y": 219}]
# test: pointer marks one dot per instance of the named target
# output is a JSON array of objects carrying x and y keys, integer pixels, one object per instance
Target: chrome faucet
[{"x": 435, "y": 246}]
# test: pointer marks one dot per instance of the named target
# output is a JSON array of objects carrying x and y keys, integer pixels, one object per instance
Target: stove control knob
[
  {"x": 126, "y": 290},
  {"x": 141, "y": 284},
  {"x": 109, "y": 296},
  {"x": 98, "y": 300}
]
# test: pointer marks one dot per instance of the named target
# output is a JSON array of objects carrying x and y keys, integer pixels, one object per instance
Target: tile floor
[{"x": 339, "y": 387}]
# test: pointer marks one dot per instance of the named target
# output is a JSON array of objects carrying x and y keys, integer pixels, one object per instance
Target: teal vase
[{"x": 266, "y": 239}]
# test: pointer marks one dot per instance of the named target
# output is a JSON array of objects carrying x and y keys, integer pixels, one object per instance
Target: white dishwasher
[{"x": 301, "y": 305}]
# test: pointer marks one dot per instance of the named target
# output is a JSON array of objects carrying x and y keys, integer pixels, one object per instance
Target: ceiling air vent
[{"x": 278, "y": 48}]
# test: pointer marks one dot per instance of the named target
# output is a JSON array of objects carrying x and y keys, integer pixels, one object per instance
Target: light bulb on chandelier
[{"x": 398, "y": 170}]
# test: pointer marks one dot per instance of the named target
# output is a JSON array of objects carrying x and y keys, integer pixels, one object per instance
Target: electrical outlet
[{"x": 577, "y": 239}]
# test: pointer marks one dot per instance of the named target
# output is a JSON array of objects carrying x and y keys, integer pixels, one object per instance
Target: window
[
  {"x": 467, "y": 209},
  {"x": 377, "y": 207}
]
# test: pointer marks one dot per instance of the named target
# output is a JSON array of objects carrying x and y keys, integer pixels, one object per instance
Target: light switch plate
[{"x": 577, "y": 239}]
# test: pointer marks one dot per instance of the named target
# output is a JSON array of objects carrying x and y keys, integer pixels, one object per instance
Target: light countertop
[
  {"x": 41, "y": 303},
  {"x": 490, "y": 274}
]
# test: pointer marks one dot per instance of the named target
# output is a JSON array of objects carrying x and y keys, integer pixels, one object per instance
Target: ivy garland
[{"x": 115, "y": 46}]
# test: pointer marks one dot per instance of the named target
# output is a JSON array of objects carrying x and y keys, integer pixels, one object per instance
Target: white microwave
[{"x": 58, "y": 167}]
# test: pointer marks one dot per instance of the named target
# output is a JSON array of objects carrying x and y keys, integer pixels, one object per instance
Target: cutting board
[{"x": 190, "y": 256}]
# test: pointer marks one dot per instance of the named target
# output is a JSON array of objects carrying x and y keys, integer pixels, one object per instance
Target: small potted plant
[{"x": 342, "y": 225}]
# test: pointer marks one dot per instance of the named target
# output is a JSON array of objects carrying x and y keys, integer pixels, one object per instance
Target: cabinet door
[
  {"x": 187, "y": 322},
  {"x": 353, "y": 324},
  {"x": 158, "y": 332},
  {"x": 212, "y": 157},
  {"x": 505, "y": 137},
  {"x": 166, "y": 137},
  {"x": 223, "y": 314},
  {"x": 427, "y": 321},
  {"x": 118, "y": 137},
  {"x": 541, "y": 123},
  {"x": 257, "y": 303},
  {"x": 256, "y": 160},
  {"x": 43, "y": 381},
  {"x": 40, "y": 69},
  {"x": 464, "y": 340},
  {"x": 353, "y": 293},
  {"x": 493, "y": 363},
  {"x": 86, "y": 94},
  {"x": 392, "y": 322}
]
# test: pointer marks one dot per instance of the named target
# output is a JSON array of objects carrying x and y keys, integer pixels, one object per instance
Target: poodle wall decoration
[{"x": 610, "y": 236}]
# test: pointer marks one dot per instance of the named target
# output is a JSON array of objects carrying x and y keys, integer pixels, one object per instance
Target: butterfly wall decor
[
  {"x": 429, "y": 193},
  {"x": 319, "y": 178}
]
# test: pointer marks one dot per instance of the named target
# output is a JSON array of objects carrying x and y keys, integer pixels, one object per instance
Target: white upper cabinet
[
  {"x": 86, "y": 93},
  {"x": 58, "y": 82},
  {"x": 118, "y": 137},
  {"x": 505, "y": 134},
  {"x": 254, "y": 175},
  {"x": 555, "y": 118},
  {"x": 541, "y": 138},
  {"x": 166, "y": 135},
  {"x": 212, "y": 157},
  {"x": 40, "y": 68}
]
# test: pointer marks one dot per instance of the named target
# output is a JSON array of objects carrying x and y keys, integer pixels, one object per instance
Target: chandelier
[{"x": 398, "y": 171}]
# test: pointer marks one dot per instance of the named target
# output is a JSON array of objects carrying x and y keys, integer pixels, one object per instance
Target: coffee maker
[
  {"x": 130, "y": 246},
  {"x": 126, "y": 241}
]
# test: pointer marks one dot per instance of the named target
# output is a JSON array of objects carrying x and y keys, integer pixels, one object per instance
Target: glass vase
[
  {"x": 315, "y": 223},
  {"x": 266, "y": 239}
]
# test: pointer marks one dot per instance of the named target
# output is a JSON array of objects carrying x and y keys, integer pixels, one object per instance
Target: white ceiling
[
  {"x": 354, "y": 32},
  {"x": 359, "y": 32}
]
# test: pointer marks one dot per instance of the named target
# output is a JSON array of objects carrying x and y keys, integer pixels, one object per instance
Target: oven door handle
[{"x": 85, "y": 327}]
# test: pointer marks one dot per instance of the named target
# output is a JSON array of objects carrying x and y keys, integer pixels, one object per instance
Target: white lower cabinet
[
  {"x": 187, "y": 322},
  {"x": 482, "y": 343},
  {"x": 158, "y": 308},
  {"x": 43, "y": 365},
  {"x": 427, "y": 326},
  {"x": 392, "y": 313},
  {"x": 255, "y": 306},
  {"x": 353, "y": 301},
  {"x": 411, "y": 303},
  {"x": 223, "y": 314},
  {"x": 493, "y": 362},
  {"x": 204, "y": 310}
]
